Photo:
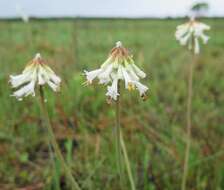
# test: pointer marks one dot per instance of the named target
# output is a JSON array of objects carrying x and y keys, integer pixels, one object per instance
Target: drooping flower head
[
  {"x": 118, "y": 66},
  {"x": 20, "y": 11},
  {"x": 35, "y": 73},
  {"x": 190, "y": 33}
]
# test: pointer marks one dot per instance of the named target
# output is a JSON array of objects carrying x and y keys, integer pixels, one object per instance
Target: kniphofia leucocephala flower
[
  {"x": 191, "y": 33},
  {"x": 37, "y": 72},
  {"x": 118, "y": 66},
  {"x": 20, "y": 11}
]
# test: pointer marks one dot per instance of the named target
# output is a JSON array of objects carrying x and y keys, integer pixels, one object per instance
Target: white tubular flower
[
  {"x": 127, "y": 79},
  {"x": 104, "y": 76},
  {"x": 119, "y": 66},
  {"x": 35, "y": 73},
  {"x": 90, "y": 76},
  {"x": 138, "y": 71},
  {"x": 141, "y": 88},
  {"x": 131, "y": 71},
  {"x": 112, "y": 90},
  {"x": 190, "y": 33},
  {"x": 22, "y": 13},
  {"x": 119, "y": 73}
]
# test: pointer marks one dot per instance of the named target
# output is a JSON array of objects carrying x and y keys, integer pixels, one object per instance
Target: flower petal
[
  {"x": 106, "y": 72},
  {"x": 112, "y": 91},
  {"x": 131, "y": 71},
  {"x": 54, "y": 87},
  {"x": 138, "y": 71},
  {"x": 25, "y": 90},
  {"x": 141, "y": 88},
  {"x": 128, "y": 82},
  {"x": 196, "y": 46},
  {"x": 91, "y": 75}
]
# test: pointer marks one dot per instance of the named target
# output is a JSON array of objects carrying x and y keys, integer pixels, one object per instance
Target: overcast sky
[{"x": 105, "y": 8}]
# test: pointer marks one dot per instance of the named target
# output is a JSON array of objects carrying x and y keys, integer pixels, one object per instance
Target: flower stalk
[
  {"x": 117, "y": 135},
  {"x": 190, "y": 34},
  {"x": 120, "y": 145},
  {"x": 127, "y": 162},
  {"x": 74, "y": 185},
  {"x": 119, "y": 67},
  {"x": 189, "y": 121},
  {"x": 38, "y": 74}
]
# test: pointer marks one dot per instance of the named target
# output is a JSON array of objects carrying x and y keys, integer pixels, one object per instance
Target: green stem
[
  {"x": 121, "y": 145},
  {"x": 189, "y": 122},
  {"x": 74, "y": 184},
  {"x": 127, "y": 163},
  {"x": 29, "y": 35},
  {"x": 117, "y": 134}
]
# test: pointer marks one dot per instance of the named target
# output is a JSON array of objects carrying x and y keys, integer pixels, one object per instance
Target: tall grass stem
[
  {"x": 127, "y": 162},
  {"x": 189, "y": 121},
  {"x": 117, "y": 135},
  {"x": 74, "y": 185},
  {"x": 121, "y": 145}
]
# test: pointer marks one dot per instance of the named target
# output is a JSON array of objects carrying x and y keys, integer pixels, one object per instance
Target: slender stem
[
  {"x": 74, "y": 184},
  {"x": 127, "y": 163},
  {"x": 189, "y": 122},
  {"x": 30, "y": 35},
  {"x": 117, "y": 134},
  {"x": 121, "y": 145}
]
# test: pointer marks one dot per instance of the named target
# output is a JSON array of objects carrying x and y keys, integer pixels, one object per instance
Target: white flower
[
  {"x": 131, "y": 71},
  {"x": 119, "y": 66},
  {"x": 92, "y": 75},
  {"x": 112, "y": 90},
  {"x": 36, "y": 73},
  {"x": 138, "y": 71},
  {"x": 141, "y": 88},
  {"x": 22, "y": 13},
  {"x": 127, "y": 79},
  {"x": 190, "y": 33},
  {"x": 104, "y": 75}
]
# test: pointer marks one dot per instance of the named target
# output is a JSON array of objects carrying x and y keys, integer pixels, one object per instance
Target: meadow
[{"x": 154, "y": 130}]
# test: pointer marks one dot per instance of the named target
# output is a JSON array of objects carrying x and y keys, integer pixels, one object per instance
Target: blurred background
[
  {"x": 77, "y": 35},
  {"x": 115, "y": 8}
]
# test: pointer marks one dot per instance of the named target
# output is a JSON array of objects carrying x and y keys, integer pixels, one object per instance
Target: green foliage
[
  {"x": 83, "y": 122},
  {"x": 200, "y": 6}
]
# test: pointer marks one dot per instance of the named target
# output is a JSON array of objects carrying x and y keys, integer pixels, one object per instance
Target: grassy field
[{"x": 154, "y": 130}]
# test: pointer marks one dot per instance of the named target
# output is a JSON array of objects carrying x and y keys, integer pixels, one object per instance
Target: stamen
[
  {"x": 144, "y": 97},
  {"x": 131, "y": 86},
  {"x": 86, "y": 83}
]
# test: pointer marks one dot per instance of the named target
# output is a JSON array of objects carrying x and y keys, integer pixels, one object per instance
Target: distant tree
[{"x": 200, "y": 8}]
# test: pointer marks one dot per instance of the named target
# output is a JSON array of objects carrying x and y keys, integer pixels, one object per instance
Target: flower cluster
[
  {"x": 118, "y": 66},
  {"x": 190, "y": 33},
  {"x": 22, "y": 13},
  {"x": 35, "y": 73}
]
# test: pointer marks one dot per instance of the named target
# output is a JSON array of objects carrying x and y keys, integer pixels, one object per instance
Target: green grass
[{"x": 154, "y": 131}]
